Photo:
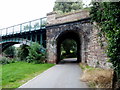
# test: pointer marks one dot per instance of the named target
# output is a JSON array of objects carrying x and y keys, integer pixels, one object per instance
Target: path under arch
[{"x": 65, "y": 75}]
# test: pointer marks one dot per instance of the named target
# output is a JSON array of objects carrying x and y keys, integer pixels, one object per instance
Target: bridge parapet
[
  {"x": 24, "y": 27},
  {"x": 54, "y": 18}
]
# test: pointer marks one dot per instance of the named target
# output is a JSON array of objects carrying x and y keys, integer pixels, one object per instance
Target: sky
[
  {"x": 19, "y": 11},
  {"x": 13, "y": 12}
]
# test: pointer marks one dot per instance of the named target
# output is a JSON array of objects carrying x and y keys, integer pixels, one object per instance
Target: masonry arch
[{"x": 68, "y": 34}]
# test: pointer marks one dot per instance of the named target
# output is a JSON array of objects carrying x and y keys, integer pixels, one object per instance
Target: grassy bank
[
  {"x": 0, "y": 76},
  {"x": 97, "y": 77},
  {"x": 16, "y": 74}
]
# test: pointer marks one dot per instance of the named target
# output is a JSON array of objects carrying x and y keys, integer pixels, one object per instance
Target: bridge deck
[{"x": 24, "y": 27}]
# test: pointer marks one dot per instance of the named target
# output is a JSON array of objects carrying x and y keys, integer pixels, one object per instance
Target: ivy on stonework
[{"x": 107, "y": 17}]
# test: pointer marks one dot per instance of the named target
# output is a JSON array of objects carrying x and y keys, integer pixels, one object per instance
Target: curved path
[{"x": 65, "y": 75}]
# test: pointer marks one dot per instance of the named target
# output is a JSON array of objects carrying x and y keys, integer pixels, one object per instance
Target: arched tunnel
[{"x": 69, "y": 34}]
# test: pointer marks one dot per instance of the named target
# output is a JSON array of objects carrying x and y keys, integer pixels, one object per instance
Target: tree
[
  {"x": 107, "y": 17},
  {"x": 70, "y": 48},
  {"x": 35, "y": 54},
  {"x": 10, "y": 51},
  {"x": 64, "y": 7},
  {"x": 22, "y": 52}
]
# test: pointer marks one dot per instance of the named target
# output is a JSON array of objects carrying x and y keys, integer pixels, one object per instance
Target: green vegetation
[
  {"x": 9, "y": 52},
  {"x": 85, "y": 66},
  {"x": 102, "y": 77},
  {"x": 0, "y": 76},
  {"x": 36, "y": 54},
  {"x": 68, "y": 49},
  {"x": 16, "y": 74},
  {"x": 6, "y": 60},
  {"x": 22, "y": 52},
  {"x": 107, "y": 17},
  {"x": 26, "y": 62},
  {"x": 68, "y": 6}
]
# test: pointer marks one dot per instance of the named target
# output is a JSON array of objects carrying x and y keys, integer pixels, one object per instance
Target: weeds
[{"x": 97, "y": 77}]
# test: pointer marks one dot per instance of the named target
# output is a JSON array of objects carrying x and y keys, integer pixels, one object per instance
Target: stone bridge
[{"x": 76, "y": 26}]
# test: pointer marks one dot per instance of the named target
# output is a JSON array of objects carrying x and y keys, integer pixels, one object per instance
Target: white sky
[{"x": 13, "y": 12}]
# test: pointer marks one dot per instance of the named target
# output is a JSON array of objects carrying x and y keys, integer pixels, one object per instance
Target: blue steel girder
[
  {"x": 6, "y": 45},
  {"x": 32, "y": 31},
  {"x": 9, "y": 42}
]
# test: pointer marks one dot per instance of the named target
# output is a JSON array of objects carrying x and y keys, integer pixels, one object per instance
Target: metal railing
[{"x": 24, "y": 27}]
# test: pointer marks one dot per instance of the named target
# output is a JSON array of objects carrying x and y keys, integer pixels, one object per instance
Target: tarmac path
[{"x": 64, "y": 75}]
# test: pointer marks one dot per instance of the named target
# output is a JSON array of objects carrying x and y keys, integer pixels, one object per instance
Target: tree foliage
[
  {"x": 107, "y": 16},
  {"x": 64, "y": 7},
  {"x": 68, "y": 48},
  {"x": 35, "y": 54},
  {"x": 22, "y": 52},
  {"x": 69, "y": 45},
  {"x": 10, "y": 51}
]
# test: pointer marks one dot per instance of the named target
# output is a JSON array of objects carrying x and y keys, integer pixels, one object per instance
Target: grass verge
[
  {"x": 97, "y": 77},
  {"x": 16, "y": 74},
  {"x": 0, "y": 76}
]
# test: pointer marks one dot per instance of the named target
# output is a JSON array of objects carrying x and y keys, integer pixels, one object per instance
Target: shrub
[
  {"x": 35, "y": 54},
  {"x": 5, "y": 60},
  {"x": 22, "y": 52},
  {"x": 10, "y": 51}
]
